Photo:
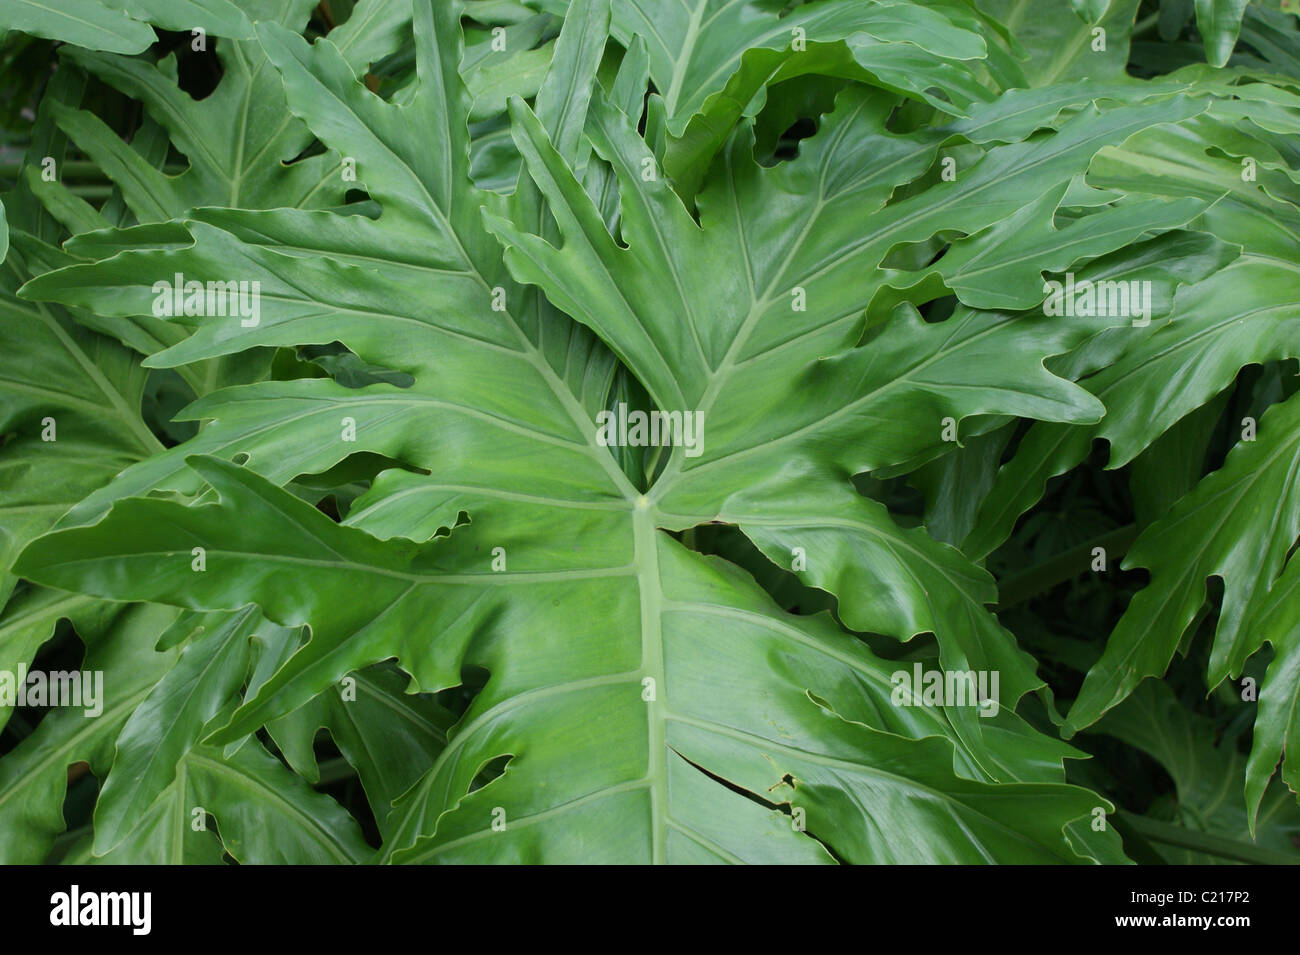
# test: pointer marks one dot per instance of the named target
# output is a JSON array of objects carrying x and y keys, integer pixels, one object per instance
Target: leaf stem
[
  {"x": 1166, "y": 833},
  {"x": 334, "y": 770},
  {"x": 1145, "y": 24},
  {"x": 1064, "y": 566}
]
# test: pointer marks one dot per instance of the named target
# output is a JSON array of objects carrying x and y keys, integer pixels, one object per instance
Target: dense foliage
[{"x": 968, "y": 330}]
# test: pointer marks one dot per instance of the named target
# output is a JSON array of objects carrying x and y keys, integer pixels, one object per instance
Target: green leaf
[
  {"x": 390, "y": 736},
  {"x": 1277, "y": 730},
  {"x": 1219, "y": 22},
  {"x": 899, "y": 46},
  {"x": 1090, "y": 10},
  {"x": 34, "y": 776},
  {"x": 821, "y": 236},
  {"x": 265, "y": 814},
  {"x": 87, "y": 23},
  {"x": 425, "y": 584},
  {"x": 720, "y": 377},
  {"x": 164, "y": 728},
  {"x": 1056, "y": 39},
  {"x": 1183, "y": 743},
  {"x": 696, "y": 46},
  {"x": 251, "y": 164},
  {"x": 1220, "y": 530},
  {"x": 67, "y": 440},
  {"x": 29, "y": 620},
  {"x": 121, "y": 26}
]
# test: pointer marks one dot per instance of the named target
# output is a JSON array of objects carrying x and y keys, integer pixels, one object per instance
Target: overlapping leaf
[
  {"x": 494, "y": 407},
  {"x": 847, "y": 310},
  {"x": 121, "y": 26}
]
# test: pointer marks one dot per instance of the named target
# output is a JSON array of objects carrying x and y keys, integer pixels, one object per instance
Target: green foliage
[{"x": 344, "y": 533}]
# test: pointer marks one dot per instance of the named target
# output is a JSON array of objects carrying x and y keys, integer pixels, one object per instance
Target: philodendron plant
[{"x": 650, "y": 431}]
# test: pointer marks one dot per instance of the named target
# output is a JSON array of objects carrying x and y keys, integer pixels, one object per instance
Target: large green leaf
[
  {"x": 768, "y": 319},
  {"x": 63, "y": 442},
  {"x": 649, "y": 781},
  {"x": 581, "y": 676},
  {"x": 397, "y": 563},
  {"x": 753, "y": 428}
]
